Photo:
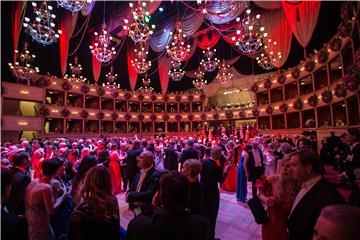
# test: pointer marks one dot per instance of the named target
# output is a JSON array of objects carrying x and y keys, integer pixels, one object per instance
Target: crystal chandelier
[
  {"x": 139, "y": 31},
  {"x": 268, "y": 58},
  {"x": 73, "y": 6},
  {"x": 177, "y": 50},
  {"x": 22, "y": 69},
  {"x": 210, "y": 62},
  {"x": 101, "y": 47},
  {"x": 250, "y": 33},
  {"x": 146, "y": 86},
  {"x": 139, "y": 63},
  {"x": 75, "y": 72},
  {"x": 224, "y": 76},
  {"x": 199, "y": 82},
  {"x": 176, "y": 73},
  {"x": 42, "y": 29},
  {"x": 111, "y": 79}
]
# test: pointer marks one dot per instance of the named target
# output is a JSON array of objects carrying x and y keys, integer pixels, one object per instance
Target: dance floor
[{"x": 234, "y": 222}]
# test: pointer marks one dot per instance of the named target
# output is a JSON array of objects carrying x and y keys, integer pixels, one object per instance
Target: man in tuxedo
[
  {"x": 189, "y": 152},
  {"x": 102, "y": 154},
  {"x": 132, "y": 167},
  {"x": 170, "y": 161},
  {"x": 146, "y": 184},
  {"x": 315, "y": 193}
]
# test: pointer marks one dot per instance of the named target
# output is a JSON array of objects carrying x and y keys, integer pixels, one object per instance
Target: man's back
[
  {"x": 19, "y": 183},
  {"x": 170, "y": 162}
]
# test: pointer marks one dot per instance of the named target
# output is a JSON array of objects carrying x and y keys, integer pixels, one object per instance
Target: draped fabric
[
  {"x": 164, "y": 63},
  {"x": 67, "y": 26},
  {"x": 96, "y": 67},
  {"x": 302, "y": 17},
  {"x": 279, "y": 30},
  {"x": 19, "y": 8},
  {"x": 208, "y": 39},
  {"x": 269, "y": 5},
  {"x": 132, "y": 71},
  {"x": 191, "y": 22},
  {"x": 220, "y": 11},
  {"x": 162, "y": 37}
]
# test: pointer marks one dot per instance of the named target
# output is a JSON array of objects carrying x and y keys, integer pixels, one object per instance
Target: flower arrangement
[
  {"x": 310, "y": 123},
  {"x": 153, "y": 117},
  {"x": 216, "y": 116},
  {"x": 127, "y": 116},
  {"x": 323, "y": 56},
  {"x": 100, "y": 115},
  {"x": 85, "y": 88},
  {"x": 283, "y": 107},
  {"x": 345, "y": 29},
  {"x": 298, "y": 104},
  {"x": 335, "y": 44},
  {"x": 166, "y": 117},
  {"x": 166, "y": 98},
  {"x": 242, "y": 114},
  {"x": 340, "y": 90},
  {"x": 114, "y": 116},
  {"x": 281, "y": 78},
  {"x": 44, "y": 81},
  {"x": 65, "y": 113},
  {"x": 352, "y": 78},
  {"x": 127, "y": 96},
  {"x": 191, "y": 116},
  {"x": 140, "y": 97},
  {"x": 84, "y": 114},
  {"x": 115, "y": 93},
  {"x": 264, "y": 185},
  {"x": 269, "y": 109},
  {"x": 202, "y": 97},
  {"x": 267, "y": 83},
  {"x": 178, "y": 117},
  {"x": 153, "y": 98},
  {"x": 295, "y": 73},
  {"x": 140, "y": 117},
  {"x": 313, "y": 100},
  {"x": 229, "y": 114},
  {"x": 178, "y": 98},
  {"x": 44, "y": 111},
  {"x": 191, "y": 98},
  {"x": 100, "y": 91},
  {"x": 326, "y": 96},
  {"x": 66, "y": 86},
  {"x": 309, "y": 65},
  {"x": 346, "y": 11},
  {"x": 203, "y": 116},
  {"x": 254, "y": 88},
  {"x": 255, "y": 112}
]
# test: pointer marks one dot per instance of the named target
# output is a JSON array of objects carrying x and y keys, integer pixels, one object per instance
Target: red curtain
[
  {"x": 164, "y": 63},
  {"x": 208, "y": 39},
  {"x": 67, "y": 26},
  {"x": 302, "y": 17},
  {"x": 19, "y": 8},
  {"x": 96, "y": 67},
  {"x": 132, "y": 72}
]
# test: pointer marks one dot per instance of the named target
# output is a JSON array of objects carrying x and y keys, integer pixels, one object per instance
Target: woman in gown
[
  {"x": 39, "y": 201},
  {"x": 230, "y": 181},
  {"x": 241, "y": 183},
  {"x": 278, "y": 193},
  {"x": 37, "y": 160},
  {"x": 115, "y": 172}
]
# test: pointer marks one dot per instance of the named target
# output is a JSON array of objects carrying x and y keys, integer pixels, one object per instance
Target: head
[
  {"x": 52, "y": 168},
  {"x": 39, "y": 153},
  {"x": 305, "y": 143},
  {"x": 5, "y": 163},
  {"x": 72, "y": 155},
  {"x": 173, "y": 191},
  {"x": 191, "y": 168},
  {"x": 285, "y": 168},
  {"x": 88, "y": 162},
  {"x": 286, "y": 148},
  {"x": 136, "y": 144},
  {"x": 354, "y": 134},
  {"x": 190, "y": 143},
  {"x": 84, "y": 152},
  {"x": 305, "y": 164},
  {"x": 231, "y": 144},
  {"x": 338, "y": 222},
  {"x": 145, "y": 160},
  {"x": 216, "y": 153},
  {"x": 21, "y": 159},
  {"x": 100, "y": 145}
]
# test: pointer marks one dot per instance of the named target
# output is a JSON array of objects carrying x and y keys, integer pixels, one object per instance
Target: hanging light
[
  {"x": 176, "y": 73},
  {"x": 138, "y": 30},
  {"x": 42, "y": 29},
  {"x": 224, "y": 76},
  {"x": 139, "y": 63},
  {"x": 210, "y": 62},
  {"x": 22, "y": 69},
  {"x": 250, "y": 34},
  {"x": 145, "y": 88},
  {"x": 101, "y": 47},
  {"x": 111, "y": 79},
  {"x": 199, "y": 82},
  {"x": 75, "y": 72},
  {"x": 73, "y": 6},
  {"x": 268, "y": 58},
  {"x": 177, "y": 49}
]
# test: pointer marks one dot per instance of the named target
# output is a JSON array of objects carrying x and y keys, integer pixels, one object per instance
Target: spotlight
[{"x": 161, "y": 9}]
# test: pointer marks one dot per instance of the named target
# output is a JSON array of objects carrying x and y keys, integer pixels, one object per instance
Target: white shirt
[
  {"x": 257, "y": 157},
  {"x": 305, "y": 188}
]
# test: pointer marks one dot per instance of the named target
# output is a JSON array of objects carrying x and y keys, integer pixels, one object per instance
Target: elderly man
[{"x": 146, "y": 184}]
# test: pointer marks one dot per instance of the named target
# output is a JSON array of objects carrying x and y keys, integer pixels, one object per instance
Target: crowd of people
[{"x": 66, "y": 188}]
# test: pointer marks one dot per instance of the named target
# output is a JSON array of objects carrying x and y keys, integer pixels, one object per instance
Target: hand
[{"x": 270, "y": 201}]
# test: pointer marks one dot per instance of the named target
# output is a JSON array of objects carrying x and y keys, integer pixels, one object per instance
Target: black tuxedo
[
  {"x": 104, "y": 157},
  {"x": 149, "y": 187},
  {"x": 19, "y": 182},
  {"x": 170, "y": 161},
  {"x": 132, "y": 168},
  {"x": 13, "y": 226},
  {"x": 189, "y": 153},
  {"x": 302, "y": 220}
]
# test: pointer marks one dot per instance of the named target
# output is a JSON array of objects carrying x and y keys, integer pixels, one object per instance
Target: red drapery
[
  {"x": 96, "y": 67},
  {"x": 164, "y": 63},
  {"x": 132, "y": 71},
  {"x": 67, "y": 26},
  {"x": 19, "y": 8},
  {"x": 208, "y": 39}
]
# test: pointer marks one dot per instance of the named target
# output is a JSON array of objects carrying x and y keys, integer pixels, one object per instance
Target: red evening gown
[
  {"x": 115, "y": 173},
  {"x": 230, "y": 181},
  {"x": 276, "y": 227}
]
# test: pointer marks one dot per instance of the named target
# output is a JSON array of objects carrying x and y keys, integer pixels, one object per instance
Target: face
[
  {"x": 297, "y": 170},
  {"x": 286, "y": 172},
  {"x": 327, "y": 230},
  {"x": 143, "y": 161},
  {"x": 185, "y": 170}
]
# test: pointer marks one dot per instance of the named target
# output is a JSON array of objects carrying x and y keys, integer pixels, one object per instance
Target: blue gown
[{"x": 241, "y": 182}]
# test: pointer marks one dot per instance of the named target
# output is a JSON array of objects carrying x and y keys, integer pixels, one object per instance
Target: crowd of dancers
[{"x": 66, "y": 188}]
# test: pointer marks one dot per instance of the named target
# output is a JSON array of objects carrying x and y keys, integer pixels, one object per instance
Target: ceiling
[{"x": 48, "y": 56}]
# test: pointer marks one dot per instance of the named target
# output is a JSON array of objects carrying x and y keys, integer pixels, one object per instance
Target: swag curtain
[{"x": 17, "y": 21}]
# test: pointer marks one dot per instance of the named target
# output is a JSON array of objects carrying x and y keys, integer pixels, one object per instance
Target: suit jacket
[
  {"x": 104, "y": 157},
  {"x": 14, "y": 227},
  {"x": 170, "y": 161},
  {"x": 302, "y": 220},
  {"x": 149, "y": 187},
  {"x": 189, "y": 153},
  {"x": 19, "y": 182},
  {"x": 211, "y": 176},
  {"x": 132, "y": 168}
]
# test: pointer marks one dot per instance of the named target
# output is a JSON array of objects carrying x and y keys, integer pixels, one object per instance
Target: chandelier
[
  {"x": 176, "y": 73},
  {"x": 101, "y": 47},
  {"x": 111, "y": 79},
  {"x": 146, "y": 86},
  {"x": 268, "y": 58},
  {"x": 22, "y": 69},
  {"x": 139, "y": 63},
  {"x": 42, "y": 29},
  {"x": 250, "y": 33},
  {"x": 73, "y": 6},
  {"x": 199, "y": 82},
  {"x": 177, "y": 50},
  {"x": 210, "y": 63},
  {"x": 224, "y": 76},
  {"x": 75, "y": 72},
  {"x": 139, "y": 31}
]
